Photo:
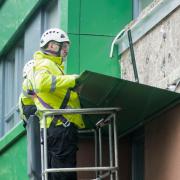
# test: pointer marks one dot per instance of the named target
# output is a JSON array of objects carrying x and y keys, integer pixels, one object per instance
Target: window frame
[{"x": 11, "y": 114}]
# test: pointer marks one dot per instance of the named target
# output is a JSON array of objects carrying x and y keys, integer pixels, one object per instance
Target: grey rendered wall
[{"x": 157, "y": 54}]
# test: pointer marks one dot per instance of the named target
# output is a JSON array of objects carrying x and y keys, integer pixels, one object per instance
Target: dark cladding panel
[{"x": 139, "y": 102}]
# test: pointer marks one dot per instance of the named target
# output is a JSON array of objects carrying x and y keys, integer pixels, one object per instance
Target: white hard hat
[
  {"x": 53, "y": 34},
  {"x": 27, "y": 67}
]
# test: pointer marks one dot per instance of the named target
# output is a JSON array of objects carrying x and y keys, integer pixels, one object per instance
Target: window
[
  {"x": 51, "y": 15},
  {"x": 9, "y": 72},
  {"x": 32, "y": 37},
  {"x": 12, "y": 64},
  {"x": 12, "y": 79},
  {"x": 1, "y": 99},
  {"x": 139, "y": 5}
]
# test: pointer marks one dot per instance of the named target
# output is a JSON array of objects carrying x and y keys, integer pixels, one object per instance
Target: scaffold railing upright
[{"x": 110, "y": 121}]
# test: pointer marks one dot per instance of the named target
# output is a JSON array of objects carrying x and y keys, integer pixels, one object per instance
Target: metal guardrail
[{"x": 112, "y": 169}]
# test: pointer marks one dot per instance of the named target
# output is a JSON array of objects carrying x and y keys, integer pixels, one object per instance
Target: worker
[
  {"x": 28, "y": 108},
  {"x": 52, "y": 89},
  {"x": 26, "y": 103}
]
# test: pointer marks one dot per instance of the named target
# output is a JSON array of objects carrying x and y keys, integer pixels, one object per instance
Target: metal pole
[
  {"x": 100, "y": 149},
  {"x": 110, "y": 149},
  {"x": 96, "y": 150},
  {"x": 115, "y": 144},
  {"x": 42, "y": 156},
  {"x": 106, "y": 168},
  {"x": 79, "y": 111},
  {"x": 94, "y": 131},
  {"x": 45, "y": 147},
  {"x": 133, "y": 56}
]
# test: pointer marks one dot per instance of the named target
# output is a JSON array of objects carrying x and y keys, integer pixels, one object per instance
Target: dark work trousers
[{"x": 62, "y": 147}]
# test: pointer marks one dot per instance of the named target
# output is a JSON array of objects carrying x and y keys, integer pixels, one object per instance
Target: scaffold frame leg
[{"x": 112, "y": 169}]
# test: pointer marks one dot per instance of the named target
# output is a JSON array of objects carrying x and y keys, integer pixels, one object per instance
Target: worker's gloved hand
[{"x": 76, "y": 76}]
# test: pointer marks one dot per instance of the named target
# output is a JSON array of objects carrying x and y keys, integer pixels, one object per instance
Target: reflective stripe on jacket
[{"x": 51, "y": 85}]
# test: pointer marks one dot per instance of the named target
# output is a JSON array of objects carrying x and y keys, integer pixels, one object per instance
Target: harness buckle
[{"x": 66, "y": 124}]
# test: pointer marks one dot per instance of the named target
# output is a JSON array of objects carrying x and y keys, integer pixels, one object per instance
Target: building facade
[{"x": 92, "y": 27}]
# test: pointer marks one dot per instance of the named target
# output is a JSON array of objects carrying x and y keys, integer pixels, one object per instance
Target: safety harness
[{"x": 64, "y": 121}]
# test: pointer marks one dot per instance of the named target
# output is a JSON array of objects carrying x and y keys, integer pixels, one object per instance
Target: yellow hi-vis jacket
[
  {"x": 51, "y": 84},
  {"x": 26, "y": 103}
]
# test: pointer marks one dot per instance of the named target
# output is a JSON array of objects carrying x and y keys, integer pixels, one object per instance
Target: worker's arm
[
  {"x": 26, "y": 108},
  {"x": 45, "y": 81},
  {"x": 20, "y": 104},
  {"x": 26, "y": 103}
]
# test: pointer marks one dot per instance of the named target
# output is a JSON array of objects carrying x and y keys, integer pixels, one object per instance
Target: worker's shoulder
[{"x": 44, "y": 63}]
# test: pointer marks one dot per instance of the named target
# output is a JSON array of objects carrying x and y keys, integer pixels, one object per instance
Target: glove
[{"x": 76, "y": 76}]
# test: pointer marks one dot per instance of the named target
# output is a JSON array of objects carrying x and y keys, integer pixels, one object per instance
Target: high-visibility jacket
[
  {"x": 50, "y": 85},
  {"x": 26, "y": 103}
]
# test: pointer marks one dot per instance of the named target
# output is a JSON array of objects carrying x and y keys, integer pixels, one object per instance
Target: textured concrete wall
[{"x": 157, "y": 54}]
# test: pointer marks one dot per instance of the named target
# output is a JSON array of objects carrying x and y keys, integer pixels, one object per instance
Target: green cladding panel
[
  {"x": 96, "y": 23},
  {"x": 13, "y": 162},
  {"x": 12, "y": 15},
  {"x": 104, "y": 17},
  {"x": 94, "y": 55},
  {"x": 74, "y": 16},
  {"x": 73, "y": 57},
  {"x": 139, "y": 102}
]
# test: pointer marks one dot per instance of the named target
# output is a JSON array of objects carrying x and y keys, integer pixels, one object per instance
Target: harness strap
[
  {"x": 65, "y": 100},
  {"x": 65, "y": 122}
]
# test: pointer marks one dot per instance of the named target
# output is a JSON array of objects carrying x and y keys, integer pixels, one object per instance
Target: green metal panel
[
  {"x": 94, "y": 55},
  {"x": 74, "y": 16},
  {"x": 11, "y": 136},
  {"x": 13, "y": 156},
  {"x": 13, "y": 162},
  {"x": 96, "y": 22},
  {"x": 13, "y": 17},
  {"x": 64, "y": 14},
  {"x": 73, "y": 57},
  {"x": 139, "y": 102},
  {"x": 105, "y": 17}
]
